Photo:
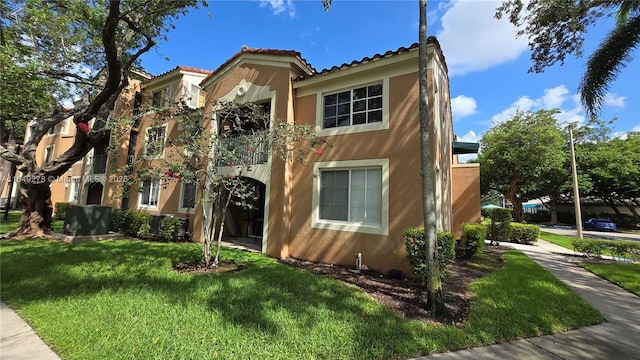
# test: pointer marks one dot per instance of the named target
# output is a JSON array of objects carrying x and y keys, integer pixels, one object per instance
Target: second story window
[
  {"x": 195, "y": 97},
  {"x": 154, "y": 145},
  {"x": 160, "y": 98},
  {"x": 353, "y": 107}
]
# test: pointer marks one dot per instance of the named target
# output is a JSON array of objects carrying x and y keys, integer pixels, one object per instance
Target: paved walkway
[
  {"x": 618, "y": 338},
  {"x": 18, "y": 341}
]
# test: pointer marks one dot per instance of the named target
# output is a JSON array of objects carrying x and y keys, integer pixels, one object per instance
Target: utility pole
[{"x": 576, "y": 192}]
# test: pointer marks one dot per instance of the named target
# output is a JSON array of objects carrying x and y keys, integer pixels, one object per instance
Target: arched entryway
[
  {"x": 94, "y": 193},
  {"x": 245, "y": 226}
]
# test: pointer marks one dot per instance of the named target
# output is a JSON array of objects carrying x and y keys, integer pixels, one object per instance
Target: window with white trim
[
  {"x": 352, "y": 196},
  {"x": 358, "y": 106},
  {"x": 188, "y": 195},
  {"x": 155, "y": 139},
  {"x": 74, "y": 189},
  {"x": 149, "y": 194},
  {"x": 48, "y": 154},
  {"x": 195, "y": 97},
  {"x": 160, "y": 98}
]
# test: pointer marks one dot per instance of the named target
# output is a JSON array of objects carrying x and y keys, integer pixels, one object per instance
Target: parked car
[{"x": 600, "y": 224}]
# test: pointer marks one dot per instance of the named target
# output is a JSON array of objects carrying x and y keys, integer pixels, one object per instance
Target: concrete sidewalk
[
  {"x": 618, "y": 338},
  {"x": 18, "y": 341}
]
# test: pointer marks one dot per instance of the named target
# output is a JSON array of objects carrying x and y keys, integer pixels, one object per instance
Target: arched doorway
[
  {"x": 94, "y": 193},
  {"x": 245, "y": 226}
]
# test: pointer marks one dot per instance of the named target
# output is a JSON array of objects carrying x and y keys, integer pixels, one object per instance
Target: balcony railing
[
  {"x": 243, "y": 150},
  {"x": 97, "y": 164}
]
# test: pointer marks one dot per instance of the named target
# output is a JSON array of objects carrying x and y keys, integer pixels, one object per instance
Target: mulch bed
[{"x": 407, "y": 297}]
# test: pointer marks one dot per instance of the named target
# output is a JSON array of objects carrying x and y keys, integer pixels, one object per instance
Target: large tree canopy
[
  {"x": 519, "y": 154},
  {"x": 556, "y": 28},
  {"x": 83, "y": 47}
]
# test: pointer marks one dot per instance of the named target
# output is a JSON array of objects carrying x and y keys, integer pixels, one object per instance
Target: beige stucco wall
[
  {"x": 399, "y": 144},
  {"x": 466, "y": 195}
]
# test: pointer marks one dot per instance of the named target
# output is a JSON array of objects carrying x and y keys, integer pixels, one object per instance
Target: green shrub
[
  {"x": 131, "y": 223},
  {"x": 141, "y": 224},
  {"x": 169, "y": 228},
  {"x": 417, "y": 250},
  {"x": 499, "y": 228},
  {"x": 472, "y": 242},
  {"x": 589, "y": 247},
  {"x": 619, "y": 249},
  {"x": 524, "y": 233},
  {"x": 61, "y": 210}
]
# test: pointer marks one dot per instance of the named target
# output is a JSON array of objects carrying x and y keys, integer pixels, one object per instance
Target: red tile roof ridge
[{"x": 245, "y": 49}]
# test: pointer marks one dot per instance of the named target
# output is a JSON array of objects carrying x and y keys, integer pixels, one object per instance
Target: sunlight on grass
[
  {"x": 624, "y": 275},
  {"x": 564, "y": 241},
  {"x": 117, "y": 299}
]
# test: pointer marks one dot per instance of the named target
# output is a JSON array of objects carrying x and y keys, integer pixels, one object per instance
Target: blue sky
[{"x": 487, "y": 63}]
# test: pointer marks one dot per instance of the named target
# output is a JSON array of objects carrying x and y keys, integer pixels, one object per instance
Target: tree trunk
[
  {"x": 553, "y": 208},
  {"x": 435, "y": 297},
  {"x": 612, "y": 205},
  {"x": 36, "y": 220},
  {"x": 516, "y": 201}
]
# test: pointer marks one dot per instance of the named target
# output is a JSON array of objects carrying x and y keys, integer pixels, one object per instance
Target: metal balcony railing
[
  {"x": 97, "y": 164},
  {"x": 243, "y": 150}
]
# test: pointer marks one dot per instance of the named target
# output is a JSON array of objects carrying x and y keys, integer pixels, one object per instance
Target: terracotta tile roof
[
  {"x": 248, "y": 50},
  {"x": 431, "y": 40},
  {"x": 183, "y": 68},
  {"x": 193, "y": 69}
]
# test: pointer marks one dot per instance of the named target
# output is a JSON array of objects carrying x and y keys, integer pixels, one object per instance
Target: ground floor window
[
  {"x": 187, "y": 195},
  {"x": 149, "y": 194},
  {"x": 351, "y": 196}
]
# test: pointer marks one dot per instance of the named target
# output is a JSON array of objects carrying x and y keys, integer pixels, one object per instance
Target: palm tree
[{"x": 611, "y": 56}]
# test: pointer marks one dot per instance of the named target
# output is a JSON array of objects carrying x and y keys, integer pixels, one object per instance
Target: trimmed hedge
[
  {"x": 619, "y": 249},
  {"x": 61, "y": 210},
  {"x": 524, "y": 233},
  {"x": 417, "y": 250},
  {"x": 499, "y": 228},
  {"x": 472, "y": 241}
]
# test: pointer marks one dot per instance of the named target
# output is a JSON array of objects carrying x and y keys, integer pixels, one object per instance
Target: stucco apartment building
[{"x": 358, "y": 195}]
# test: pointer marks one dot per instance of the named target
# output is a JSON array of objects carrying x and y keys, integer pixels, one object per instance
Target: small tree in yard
[{"x": 216, "y": 161}]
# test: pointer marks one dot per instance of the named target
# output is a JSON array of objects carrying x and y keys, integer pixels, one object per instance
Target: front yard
[{"x": 121, "y": 300}]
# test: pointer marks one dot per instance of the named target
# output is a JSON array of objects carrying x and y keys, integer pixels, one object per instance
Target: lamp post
[{"x": 576, "y": 193}]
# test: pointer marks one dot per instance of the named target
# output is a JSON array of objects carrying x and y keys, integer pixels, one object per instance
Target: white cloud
[
  {"x": 553, "y": 98},
  {"x": 462, "y": 106},
  {"x": 471, "y": 136},
  {"x": 623, "y": 134},
  {"x": 280, "y": 6},
  {"x": 473, "y": 40},
  {"x": 613, "y": 100},
  {"x": 524, "y": 103},
  {"x": 557, "y": 97}
]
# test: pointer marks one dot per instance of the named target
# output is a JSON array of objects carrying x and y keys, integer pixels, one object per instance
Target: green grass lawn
[
  {"x": 13, "y": 218},
  {"x": 625, "y": 275},
  {"x": 121, "y": 300},
  {"x": 562, "y": 240}
]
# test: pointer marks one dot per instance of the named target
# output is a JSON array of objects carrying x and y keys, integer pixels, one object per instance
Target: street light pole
[{"x": 576, "y": 192}]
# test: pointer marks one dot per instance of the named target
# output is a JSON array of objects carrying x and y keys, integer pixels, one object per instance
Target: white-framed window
[
  {"x": 149, "y": 194},
  {"x": 159, "y": 98},
  {"x": 187, "y": 195},
  {"x": 195, "y": 97},
  {"x": 74, "y": 190},
  {"x": 48, "y": 154},
  {"x": 358, "y": 106},
  {"x": 154, "y": 141},
  {"x": 352, "y": 196}
]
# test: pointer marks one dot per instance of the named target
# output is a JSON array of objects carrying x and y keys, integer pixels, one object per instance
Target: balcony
[
  {"x": 97, "y": 164},
  {"x": 243, "y": 150}
]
